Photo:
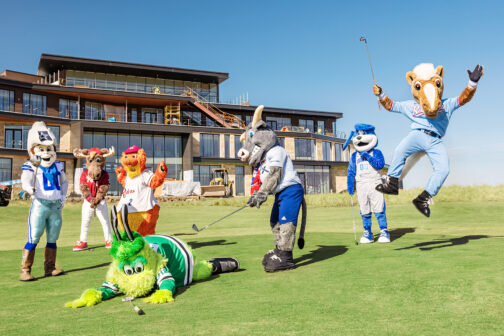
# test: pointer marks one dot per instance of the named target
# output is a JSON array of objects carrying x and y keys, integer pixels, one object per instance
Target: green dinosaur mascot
[{"x": 155, "y": 265}]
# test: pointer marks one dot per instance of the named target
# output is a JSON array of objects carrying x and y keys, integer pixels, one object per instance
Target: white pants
[
  {"x": 370, "y": 200},
  {"x": 87, "y": 216}
]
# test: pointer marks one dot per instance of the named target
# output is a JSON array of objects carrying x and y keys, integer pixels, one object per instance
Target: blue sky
[{"x": 297, "y": 54}]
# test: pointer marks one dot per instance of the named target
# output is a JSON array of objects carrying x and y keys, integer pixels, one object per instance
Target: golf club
[
  {"x": 130, "y": 299},
  {"x": 363, "y": 39},
  {"x": 353, "y": 217},
  {"x": 195, "y": 228}
]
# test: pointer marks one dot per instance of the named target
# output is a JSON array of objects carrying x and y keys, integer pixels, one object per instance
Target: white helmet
[{"x": 39, "y": 134}]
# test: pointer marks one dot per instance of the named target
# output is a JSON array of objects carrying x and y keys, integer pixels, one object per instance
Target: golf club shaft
[
  {"x": 371, "y": 65},
  {"x": 353, "y": 218},
  {"x": 218, "y": 220}
]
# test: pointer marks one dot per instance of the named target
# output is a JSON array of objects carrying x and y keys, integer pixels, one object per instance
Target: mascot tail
[{"x": 301, "y": 241}]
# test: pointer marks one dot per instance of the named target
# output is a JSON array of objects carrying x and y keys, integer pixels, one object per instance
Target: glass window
[
  {"x": 121, "y": 82},
  {"x": 210, "y": 121},
  {"x": 334, "y": 129},
  {"x": 68, "y": 109},
  {"x": 193, "y": 118},
  {"x": 178, "y": 87},
  {"x": 237, "y": 144},
  {"x": 131, "y": 84},
  {"x": 248, "y": 119},
  {"x": 148, "y": 147},
  {"x": 305, "y": 149},
  {"x": 150, "y": 85},
  {"x": 111, "y": 81},
  {"x": 281, "y": 141},
  {"x": 140, "y": 84},
  {"x": 5, "y": 169},
  {"x": 326, "y": 150},
  {"x": 6, "y": 100},
  {"x": 307, "y": 124},
  {"x": 203, "y": 173},
  {"x": 240, "y": 180},
  {"x": 278, "y": 123},
  {"x": 209, "y": 145},
  {"x": 173, "y": 147},
  {"x": 316, "y": 178},
  {"x": 133, "y": 115},
  {"x": 168, "y": 87},
  {"x": 122, "y": 143},
  {"x": 320, "y": 127},
  {"x": 94, "y": 111},
  {"x": 152, "y": 115},
  {"x": 101, "y": 81},
  {"x": 226, "y": 145},
  {"x": 16, "y": 136},
  {"x": 337, "y": 152},
  {"x": 34, "y": 104}
]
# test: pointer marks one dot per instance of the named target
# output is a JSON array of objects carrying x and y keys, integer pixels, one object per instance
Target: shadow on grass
[
  {"x": 322, "y": 253},
  {"x": 181, "y": 290},
  {"x": 398, "y": 233},
  {"x": 194, "y": 244},
  {"x": 79, "y": 269},
  {"x": 440, "y": 243}
]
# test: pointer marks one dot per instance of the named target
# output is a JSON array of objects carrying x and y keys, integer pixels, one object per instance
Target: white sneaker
[
  {"x": 384, "y": 236},
  {"x": 367, "y": 238}
]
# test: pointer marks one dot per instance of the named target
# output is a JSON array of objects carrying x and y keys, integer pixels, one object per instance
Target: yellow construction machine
[{"x": 220, "y": 186}]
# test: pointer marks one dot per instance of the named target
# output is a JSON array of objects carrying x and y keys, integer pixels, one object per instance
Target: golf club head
[
  {"x": 301, "y": 243},
  {"x": 195, "y": 228},
  {"x": 356, "y": 243}
]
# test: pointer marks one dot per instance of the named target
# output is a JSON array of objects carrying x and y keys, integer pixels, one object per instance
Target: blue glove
[{"x": 365, "y": 155}]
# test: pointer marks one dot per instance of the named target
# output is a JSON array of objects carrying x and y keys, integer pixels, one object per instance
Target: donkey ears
[
  {"x": 410, "y": 77},
  {"x": 440, "y": 71}
]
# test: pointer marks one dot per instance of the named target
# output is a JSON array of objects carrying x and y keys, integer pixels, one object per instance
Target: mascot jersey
[
  {"x": 413, "y": 111},
  {"x": 137, "y": 194},
  {"x": 278, "y": 157},
  {"x": 92, "y": 184},
  {"x": 47, "y": 182},
  {"x": 177, "y": 272}
]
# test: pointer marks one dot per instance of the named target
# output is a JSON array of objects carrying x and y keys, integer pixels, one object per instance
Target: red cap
[
  {"x": 95, "y": 149},
  {"x": 132, "y": 149}
]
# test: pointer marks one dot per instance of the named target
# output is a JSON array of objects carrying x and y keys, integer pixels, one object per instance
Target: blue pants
[
  {"x": 44, "y": 214},
  {"x": 435, "y": 150},
  {"x": 287, "y": 205}
]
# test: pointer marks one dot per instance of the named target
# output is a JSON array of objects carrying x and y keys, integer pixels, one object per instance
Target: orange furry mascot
[{"x": 138, "y": 195}]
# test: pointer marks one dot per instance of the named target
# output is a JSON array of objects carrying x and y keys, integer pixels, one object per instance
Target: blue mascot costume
[{"x": 364, "y": 172}]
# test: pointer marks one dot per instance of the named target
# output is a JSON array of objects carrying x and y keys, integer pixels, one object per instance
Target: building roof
[
  {"x": 50, "y": 63},
  {"x": 251, "y": 108}
]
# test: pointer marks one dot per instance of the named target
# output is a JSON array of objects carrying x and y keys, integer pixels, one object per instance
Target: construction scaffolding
[{"x": 172, "y": 114}]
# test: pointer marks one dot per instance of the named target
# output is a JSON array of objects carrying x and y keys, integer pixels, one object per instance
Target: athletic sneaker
[
  {"x": 367, "y": 237},
  {"x": 80, "y": 246},
  {"x": 108, "y": 244},
  {"x": 384, "y": 236}
]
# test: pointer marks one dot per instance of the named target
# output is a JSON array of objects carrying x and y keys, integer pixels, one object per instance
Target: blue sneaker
[
  {"x": 367, "y": 237},
  {"x": 384, "y": 236}
]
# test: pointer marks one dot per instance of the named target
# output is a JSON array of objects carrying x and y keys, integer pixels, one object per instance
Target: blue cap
[{"x": 365, "y": 127}]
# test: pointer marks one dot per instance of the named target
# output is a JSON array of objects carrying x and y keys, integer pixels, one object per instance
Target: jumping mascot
[
  {"x": 155, "y": 265},
  {"x": 430, "y": 115},
  {"x": 364, "y": 168},
  {"x": 274, "y": 174},
  {"x": 44, "y": 180},
  {"x": 139, "y": 184},
  {"x": 94, "y": 184}
]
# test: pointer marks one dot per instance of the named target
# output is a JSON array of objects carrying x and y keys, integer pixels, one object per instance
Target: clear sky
[{"x": 297, "y": 54}]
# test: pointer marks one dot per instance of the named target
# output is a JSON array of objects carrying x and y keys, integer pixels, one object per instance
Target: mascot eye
[
  {"x": 251, "y": 133},
  {"x": 128, "y": 270},
  {"x": 418, "y": 86},
  {"x": 98, "y": 160},
  {"x": 139, "y": 267},
  {"x": 438, "y": 83},
  {"x": 133, "y": 156}
]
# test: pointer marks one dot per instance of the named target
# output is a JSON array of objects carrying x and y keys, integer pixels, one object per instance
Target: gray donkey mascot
[{"x": 274, "y": 174}]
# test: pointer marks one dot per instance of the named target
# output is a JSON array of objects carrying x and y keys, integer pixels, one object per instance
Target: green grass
[{"x": 440, "y": 276}]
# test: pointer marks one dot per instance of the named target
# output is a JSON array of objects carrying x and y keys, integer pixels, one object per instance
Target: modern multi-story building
[{"x": 173, "y": 113}]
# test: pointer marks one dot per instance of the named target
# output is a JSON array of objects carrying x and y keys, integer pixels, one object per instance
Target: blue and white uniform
[
  {"x": 426, "y": 135},
  {"x": 289, "y": 192},
  {"x": 364, "y": 169},
  {"x": 48, "y": 187}
]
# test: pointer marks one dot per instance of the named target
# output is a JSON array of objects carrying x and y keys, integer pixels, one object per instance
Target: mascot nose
[
  {"x": 430, "y": 94},
  {"x": 243, "y": 154},
  {"x": 358, "y": 137}
]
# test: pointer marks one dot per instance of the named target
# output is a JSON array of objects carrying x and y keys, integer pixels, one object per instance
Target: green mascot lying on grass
[{"x": 154, "y": 265}]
